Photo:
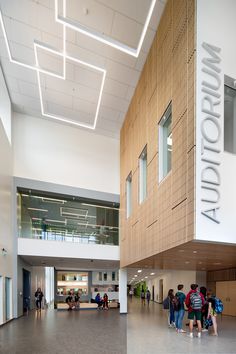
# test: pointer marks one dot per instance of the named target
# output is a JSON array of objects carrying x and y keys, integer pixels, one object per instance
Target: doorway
[
  {"x": 153, "y": 293},
  {"x": 160, "y": 297},
  {"x": 26, "y": 291},
  {"x": 8, "y": 298}
]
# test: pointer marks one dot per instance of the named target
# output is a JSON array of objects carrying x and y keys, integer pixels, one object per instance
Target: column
[{"x": 123, "y": 290}]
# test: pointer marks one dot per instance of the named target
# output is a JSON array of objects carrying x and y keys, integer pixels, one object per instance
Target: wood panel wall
[
  {"x": 166, "y": 218},
  {"x": 219, "y": 275}
]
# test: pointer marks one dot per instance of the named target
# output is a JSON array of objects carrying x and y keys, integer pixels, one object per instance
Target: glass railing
[{"x": 88, "y": 235}]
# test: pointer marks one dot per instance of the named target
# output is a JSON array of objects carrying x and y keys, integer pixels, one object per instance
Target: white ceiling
[{"x": 76, "y": 97}]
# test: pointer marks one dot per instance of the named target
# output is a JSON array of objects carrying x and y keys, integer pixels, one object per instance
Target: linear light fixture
[
  {"x": 77, "y": 26},
  {"x": 56, "y": 221},
  {"x": 37, "y": 209},
  {"x": 53, "y": 200},
  {"x": 99, "y": 206},
  {"x": 65, "y": 57}
]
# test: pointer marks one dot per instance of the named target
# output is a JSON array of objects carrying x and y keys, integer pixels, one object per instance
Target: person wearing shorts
[{"x": 194, "y": 302}]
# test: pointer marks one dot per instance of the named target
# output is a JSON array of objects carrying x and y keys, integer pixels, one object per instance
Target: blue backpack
[{"x": 219, "y": 307}]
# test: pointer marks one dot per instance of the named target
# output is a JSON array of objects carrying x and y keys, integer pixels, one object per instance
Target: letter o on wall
[{"x": 208, "y": 136}]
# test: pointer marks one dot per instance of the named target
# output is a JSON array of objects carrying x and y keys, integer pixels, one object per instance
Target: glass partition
[{"x": 69, "y": 219}]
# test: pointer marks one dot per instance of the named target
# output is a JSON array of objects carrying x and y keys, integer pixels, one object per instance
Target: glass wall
[
  {"x": 230, "y": 115},
  {"x": 64, "y": 218},
  {"x": 76, "y": 282}
]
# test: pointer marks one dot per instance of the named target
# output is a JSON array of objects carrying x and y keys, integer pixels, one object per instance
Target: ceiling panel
[
  {"x": 99, "y": 17},
  {"x": 76, "y": 97}
]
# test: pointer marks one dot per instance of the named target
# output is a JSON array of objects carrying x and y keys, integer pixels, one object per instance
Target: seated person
[
  {"x": 70, "y": 300},
  {"x": 98, "y": 300},
  {"x": 105, "y": 302},
  {"x": 77, "y": 303}
]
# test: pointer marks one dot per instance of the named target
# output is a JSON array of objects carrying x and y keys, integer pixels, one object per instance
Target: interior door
[
  {"x": 226, "y": 291},
  {"x": 26, "y": 290}
]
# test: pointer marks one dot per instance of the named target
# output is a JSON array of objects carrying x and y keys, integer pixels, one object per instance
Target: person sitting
[
  {"x": 99, "y": 301},
  {"x": 77, "y": 302},
  {"x": 105, "y": 302},
  {"x": 70, "y": 300}
]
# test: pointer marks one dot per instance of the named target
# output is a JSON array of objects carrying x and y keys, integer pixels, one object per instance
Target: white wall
[
  {"x": 216, "y": 26},
  {"x": 6, "y": 235},
  {"x": 171, "y": 279},
  {"x": 32, "y": 247},
  {"x": 52, "y": 152},
  {"x": 5, "y": 107}
]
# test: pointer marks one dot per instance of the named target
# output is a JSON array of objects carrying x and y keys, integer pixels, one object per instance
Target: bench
[{"x": 83, "y": 306}]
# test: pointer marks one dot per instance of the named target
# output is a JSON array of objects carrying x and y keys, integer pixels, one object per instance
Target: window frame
[
  {"x": 143, "y": 176},
  {"x": 161, "y": 125},
  {"x": 128, "y": 192}
]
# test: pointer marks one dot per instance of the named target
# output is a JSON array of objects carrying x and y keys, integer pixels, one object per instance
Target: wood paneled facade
[{"x": 166, "y": 217}]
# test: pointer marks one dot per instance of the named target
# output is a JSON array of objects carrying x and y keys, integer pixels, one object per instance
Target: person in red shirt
[{"x": 194, "y": 302}]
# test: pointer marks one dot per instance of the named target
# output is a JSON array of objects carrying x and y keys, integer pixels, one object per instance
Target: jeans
[
  {"x": 179, "y": 315},
  {"x": 172, "y": 315}
]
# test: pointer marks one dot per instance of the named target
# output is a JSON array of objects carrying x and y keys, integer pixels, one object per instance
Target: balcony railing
[{"x": 87, "y": 235}]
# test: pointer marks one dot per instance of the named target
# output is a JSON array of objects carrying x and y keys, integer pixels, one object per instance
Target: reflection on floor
[
  {"x": 148, "y": 333},
  {"x": 143, "y": 331},
  {"x": 65, "y": 332}
]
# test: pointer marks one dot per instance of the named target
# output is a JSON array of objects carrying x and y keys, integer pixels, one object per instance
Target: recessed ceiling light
[
  {"x": 135, "y": 275},
  {"x": 140, "y": 270},
  {"x": 187, "y": 262},
  {"x": 194, "y": 251},
  {"x": 152, "y": 273},
  {"x": 145, "y": 277}
]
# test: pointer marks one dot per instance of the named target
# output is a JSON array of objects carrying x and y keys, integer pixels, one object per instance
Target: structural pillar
[{"x": 123, "y": 290}]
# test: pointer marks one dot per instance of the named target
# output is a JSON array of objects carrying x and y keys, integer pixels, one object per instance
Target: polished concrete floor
[
  {"x": 65, "y": 332},
  {"x": 148, "y": 333},
  {"x": 143, "y": 331}
]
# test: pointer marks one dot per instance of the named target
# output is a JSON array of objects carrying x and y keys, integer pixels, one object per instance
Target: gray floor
[
  {"x": 66, "y": 332},
  {"x": 148, "y": 333},
  {"x": 143, "y": 331}
]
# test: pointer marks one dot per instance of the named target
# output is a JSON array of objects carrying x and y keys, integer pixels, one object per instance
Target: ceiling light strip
[
  {"x": 39, "y": 70},
  {"x": 28, "y": 66},
  {"x": 77, "y": 26}
]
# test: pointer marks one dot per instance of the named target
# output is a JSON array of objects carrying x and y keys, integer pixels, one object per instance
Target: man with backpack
[
  {"x": 178, "y": 302},
  {"x": 194, "y": 302}
]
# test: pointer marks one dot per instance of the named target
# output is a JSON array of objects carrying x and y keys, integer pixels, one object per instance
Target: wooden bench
[{"x": 83, "y": 306}]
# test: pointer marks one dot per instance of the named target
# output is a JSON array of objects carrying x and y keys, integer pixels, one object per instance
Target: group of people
[
  {"x": 72, "y": 301},
  {"x": 102, "y": 302},
  {"x": 201, "y": 306},
  {"x": 145, "y": 295}
]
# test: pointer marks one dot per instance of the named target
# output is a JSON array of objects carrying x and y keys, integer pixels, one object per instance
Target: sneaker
[
  {"x": 204, "y": 330},
  {"x": 199, "y": 334},
  {"x": 181, "y": 331},
  {"x": 190, "y": 335}
]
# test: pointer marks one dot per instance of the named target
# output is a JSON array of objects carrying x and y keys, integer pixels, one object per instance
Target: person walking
[
  {"x": 194, "y": 302},
  {"x": 179, "y": 311},
  {"x": 148, "y": 296},
  {"x": 143, "y": 297},
  {"x": 38, "y": 299}
]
